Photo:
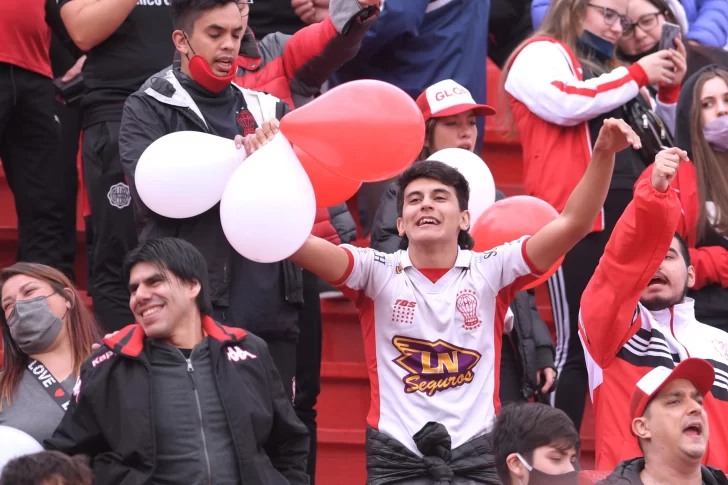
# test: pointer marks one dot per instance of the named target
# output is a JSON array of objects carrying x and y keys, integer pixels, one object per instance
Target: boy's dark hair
[
  {"x": 186, "y": 12},
  {"x": 46, "y": 468},
  {"x": 178, "y": 257},
  {"x": 521, "y": 428},
  {"x": 684, "y": 249},
  {"x": 445, "y": 174}
]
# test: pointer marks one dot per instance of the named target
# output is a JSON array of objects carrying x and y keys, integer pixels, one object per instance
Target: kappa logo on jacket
[
  {"x": 101, "y": 358},
  {"x": 235, "y": 354}
]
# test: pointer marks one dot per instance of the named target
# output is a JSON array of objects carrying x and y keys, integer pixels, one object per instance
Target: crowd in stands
[{"x": 197, "y": 365}]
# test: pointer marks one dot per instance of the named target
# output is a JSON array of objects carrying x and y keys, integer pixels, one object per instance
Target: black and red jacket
[
  {"x": 293, "y": 67},
  {"x": 110, "y": 417}
]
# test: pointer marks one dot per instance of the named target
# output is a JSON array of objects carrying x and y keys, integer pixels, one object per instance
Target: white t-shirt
[{"x": 433, "y": 349}]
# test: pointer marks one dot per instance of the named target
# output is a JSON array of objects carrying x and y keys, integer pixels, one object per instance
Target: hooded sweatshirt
[{"x": 711, "y": 300}]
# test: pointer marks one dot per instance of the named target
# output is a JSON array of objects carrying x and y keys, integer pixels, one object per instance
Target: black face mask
[
  {"x": 537, "y": 477},
  {"x": 603, "y": 49}
]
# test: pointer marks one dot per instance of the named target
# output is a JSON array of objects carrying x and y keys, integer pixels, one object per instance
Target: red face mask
[{"x": 202, "y": 73}]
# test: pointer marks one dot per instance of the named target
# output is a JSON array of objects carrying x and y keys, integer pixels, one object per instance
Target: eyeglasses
[
  {"x": 244, "y": 7},
  {"x": 645, "y": 23},
  {"x": 611, "y": 16}
]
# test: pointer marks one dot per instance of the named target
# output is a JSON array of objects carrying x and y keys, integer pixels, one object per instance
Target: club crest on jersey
[
  {"x": 434, "y": 366},
  {"x": 467, "y": 305},
  {"x": 403, "y": 311}
]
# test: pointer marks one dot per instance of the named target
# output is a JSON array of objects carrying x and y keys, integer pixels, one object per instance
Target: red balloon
[
  {"x": 509, "y": 219},
  {"x": 330, "y": 189},
  {"x": 362, "y": 130}
]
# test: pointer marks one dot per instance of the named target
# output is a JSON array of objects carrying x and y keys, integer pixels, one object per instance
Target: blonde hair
[{"x": 563, "y": 22}]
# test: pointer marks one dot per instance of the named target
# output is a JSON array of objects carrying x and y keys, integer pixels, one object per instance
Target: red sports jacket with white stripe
[
  {"x": 552, "y": 105},
  {"x": 623, "y": 340}
]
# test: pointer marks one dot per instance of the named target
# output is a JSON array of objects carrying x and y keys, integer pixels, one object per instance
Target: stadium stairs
[{"x": 344, "y": 399}]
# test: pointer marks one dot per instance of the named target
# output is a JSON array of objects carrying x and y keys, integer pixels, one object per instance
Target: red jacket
[
  {"x": 711, "y": 262},
  {"x": 552, "y": 105},
  {"x": 293, "y": 67},
  {"x": 623, "y": 340}
]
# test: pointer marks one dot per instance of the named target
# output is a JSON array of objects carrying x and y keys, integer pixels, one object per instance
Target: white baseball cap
[
  {"x": 698, "y": 371},
  {"x": 448, "y": 98}
]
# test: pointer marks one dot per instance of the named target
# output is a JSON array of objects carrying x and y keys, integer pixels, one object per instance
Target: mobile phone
[
  {"x": 670, "y": 32},
  {"x": 70, "y": 91}
]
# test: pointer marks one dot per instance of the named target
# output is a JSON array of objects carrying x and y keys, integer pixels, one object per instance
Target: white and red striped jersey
[{"x": 433, "y": 349}]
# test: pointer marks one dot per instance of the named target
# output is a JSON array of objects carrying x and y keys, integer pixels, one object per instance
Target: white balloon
[
  {"x": 15, "y": 443},
  {"x": 268, "y": 207},
  {"x": 184, "y": 174},
  {"x": 476, "y": 172}
]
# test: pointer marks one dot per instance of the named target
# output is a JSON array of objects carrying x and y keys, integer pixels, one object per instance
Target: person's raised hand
[
  {"x": 665, "y": 167},
  {"x": 262, "y": 136},
  {"x": 659, "y": 67},
  {"x": 616, "y": 135},
  {"x": 369, "y": 3}
]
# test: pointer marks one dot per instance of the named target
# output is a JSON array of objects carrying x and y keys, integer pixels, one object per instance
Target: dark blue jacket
[{"x": 416, "y": 43}]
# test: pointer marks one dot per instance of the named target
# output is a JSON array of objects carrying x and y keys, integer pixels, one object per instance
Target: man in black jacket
[
  {"x": 177, "y": 397},
  {"x": 527, "y": 354},
  {"x": 671, "y": 427},
  {"x": 262, "y": 297}
]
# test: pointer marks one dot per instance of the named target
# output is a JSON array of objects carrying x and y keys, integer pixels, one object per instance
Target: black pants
[
  {"x": 510, "y": 375},
  {"x": 308, "y": 364},
  {"x": 70, "y": 116},
  {"x": 29, "y": 138},
  {"x": 113, "y": 224},
  {"x": 283, "y": 354},
  {"x": 565, "y": 289}
]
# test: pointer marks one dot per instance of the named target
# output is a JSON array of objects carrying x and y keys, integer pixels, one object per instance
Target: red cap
[
  {"x": 698, "y": 371},
  {"x": 448, "y": 98}
]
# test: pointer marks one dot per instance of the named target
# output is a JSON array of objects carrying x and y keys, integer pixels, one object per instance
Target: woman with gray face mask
[{"x": 47, "y": 333}]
